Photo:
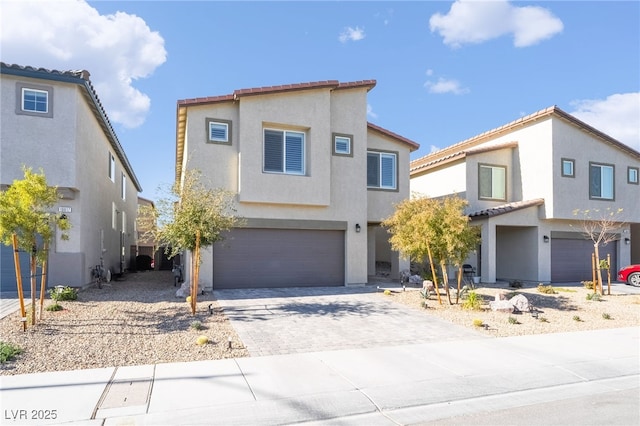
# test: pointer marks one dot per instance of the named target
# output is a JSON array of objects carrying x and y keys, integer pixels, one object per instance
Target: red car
[{"x": 630, "y": 275}]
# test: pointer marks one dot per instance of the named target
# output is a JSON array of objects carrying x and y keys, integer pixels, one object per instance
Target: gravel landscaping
[
  {"x": 139, "y": 320},
  {"x": 135, "y": 321}
]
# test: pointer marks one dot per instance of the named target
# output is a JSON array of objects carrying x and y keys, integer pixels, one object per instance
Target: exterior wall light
[
  {"x": 545, "y": 238},
  {"x": 358, "y": 227},
  {"x": 627, "y": 241}
]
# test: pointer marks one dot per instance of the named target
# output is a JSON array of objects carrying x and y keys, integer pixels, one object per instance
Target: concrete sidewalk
[{"x": 405, "y": 384}]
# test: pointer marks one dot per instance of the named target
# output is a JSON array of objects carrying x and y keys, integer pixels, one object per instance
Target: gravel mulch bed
[
  {"x": 566, "y": 310},
  {"x": 136, "y": 321}
]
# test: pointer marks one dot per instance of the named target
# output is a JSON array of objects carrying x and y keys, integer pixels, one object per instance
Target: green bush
[
  {"x": 196, "y": 325},
  {"x": 606, "y": 316},
  {"x": 59, "y": 293},
  {"x": 8, "y": 352},
  {"x": 513, "y": 320},
  {"x": 595, "y": 297},
  {"x": 543, "y": 319},
  {"x": 54, "y": 307},
  {"x": 576, "y": 318},
  {"x": 478, "y": 323},
  {"x": 589, "y": 285},
  {"x": 546, "y": 289},
  {"x": 472, "y": 302}
]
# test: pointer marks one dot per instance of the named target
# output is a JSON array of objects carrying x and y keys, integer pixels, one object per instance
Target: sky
[{"x": 445, "y": 70}]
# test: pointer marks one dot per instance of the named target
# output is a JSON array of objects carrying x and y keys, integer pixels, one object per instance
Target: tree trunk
[
  {"x": 43, "y": 284},
  {"x": 33, "y": 288},
  {"x": 445, "y": 279},
  {"x": 459, "y": 281},
  {"x": 196, "y": 274},
  {"x": 434, "y": 275},
  {"x": 598, "y": 270}
]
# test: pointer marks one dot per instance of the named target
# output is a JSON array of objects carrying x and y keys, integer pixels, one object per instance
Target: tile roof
[
  {"x": 507, "y": 208},
  {"x": 437, "y": 156},
  {"x": 459, "y": 154},
  {"x": 330, "y": 84},
  {"x": 80, "y": 77},
  {"x": 412, "y": 144}
]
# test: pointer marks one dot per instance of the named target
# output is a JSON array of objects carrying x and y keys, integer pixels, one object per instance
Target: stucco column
[{"x": 488, "y": 252}]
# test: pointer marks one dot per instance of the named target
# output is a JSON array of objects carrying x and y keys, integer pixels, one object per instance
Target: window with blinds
[{"x": 284, "y": 152}]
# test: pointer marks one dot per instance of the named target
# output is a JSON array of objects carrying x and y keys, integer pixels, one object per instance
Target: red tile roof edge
[
  {"x": 396, "y": 136},
  {"x": 507, "y": 208}
]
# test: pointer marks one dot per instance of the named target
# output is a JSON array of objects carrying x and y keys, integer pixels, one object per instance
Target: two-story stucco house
[
  {"x": 313, "y": 181},
  {"x": 523, "y": 182},
  {"x": 54, "y": 121}
]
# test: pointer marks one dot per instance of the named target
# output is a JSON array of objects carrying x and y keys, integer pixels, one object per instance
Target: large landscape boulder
[
  {"x": 520, "y": 302},
  {"x": 501, "y": 306}
]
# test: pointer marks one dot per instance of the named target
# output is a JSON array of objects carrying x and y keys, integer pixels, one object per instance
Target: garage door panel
[
  {"x": 571, "y": 259},
  {"x": 251, "y": 258}
]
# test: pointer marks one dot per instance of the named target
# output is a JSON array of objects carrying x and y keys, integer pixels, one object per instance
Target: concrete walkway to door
[{"x": 278, "y": 321}]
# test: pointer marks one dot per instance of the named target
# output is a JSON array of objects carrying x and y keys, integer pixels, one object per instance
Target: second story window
[
  {"x": 123, "y": 187},
  {"x": 381, "y": 170},
  {"x": 632, "y": 175},
  {"x": 284, "y": 152},
  {"x": 492, "y": 182},
  {"x": 568, "y": 167},
  {"x": 218, "y": 131},
  {"x": 342, "y": 144},
  {"x": 112, "y": 168},
  {"x": 601, "y": 181},
  {"x": 35, "y": 100}
]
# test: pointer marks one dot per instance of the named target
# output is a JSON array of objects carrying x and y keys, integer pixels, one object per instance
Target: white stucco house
[
  {"x": 313, "y": 181},
  {"x": 54, "y": 121},
  {"x": 523, "y": 182}
]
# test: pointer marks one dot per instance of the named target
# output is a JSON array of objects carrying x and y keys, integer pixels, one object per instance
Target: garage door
[
  {"x": 8, "y": 285},
  {"x": 571, "y": 259},
  {"x": 251, "y": 258}
]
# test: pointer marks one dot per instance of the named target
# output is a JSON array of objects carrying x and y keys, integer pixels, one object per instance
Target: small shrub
[
  {"x": 606, "y": 316},
  {"x": 543, "y": 319},
  {"x": 8, "y": 351},
  {"x": 54, "y": 307},
  {"x": 387, "y": 292},
  {"x": 196, "y": 325},
  {"x": 565, "y": 290},
  {"x": 515, "y": 284},
  {"x": 576, "y": 318},
  {"x": 589, "y": 285},
  {"x": 202, "y": 340},
  {"x": 595, "y": 297},
  {"x": 424, "y": 304},
  {"x": 513, "y": 320},
  {"x": 478, "y": 323},
  {"x": 188, "y": 299},
  {"x": 62, "y": 293},
  {"x": 472, "y": 302},
  {"x": 546, "y": 289}
]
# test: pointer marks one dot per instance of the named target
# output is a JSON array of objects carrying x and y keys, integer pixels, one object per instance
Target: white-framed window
[
  {"x": 382, "y": 170},
  {"x": 632, "y": 175},
  {"x": 35, "y": 100},
  {"x": 284, "y": 152},
  {"x": 492, "y": 182},
  {"x": 112, "y": 167},
  {"x": 123, "y": 187},
  {"x": 568, "y": 167},
  {"x": 342, "y": 144},
  {"x": 114, "y": 216},
  {"x": 218, "y": 131},
  {"x": 601, "y": 181}
]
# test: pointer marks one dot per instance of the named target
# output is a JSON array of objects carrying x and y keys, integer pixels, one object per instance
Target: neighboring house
[
  {"x": 313, "y": 181},
  {"x": 54, "y": 121},
  {"x": 523, "y": 182},
  {"x": 145, "y": 245}
]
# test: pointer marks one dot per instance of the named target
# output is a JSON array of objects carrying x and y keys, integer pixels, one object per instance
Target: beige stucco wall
[
  {"x": 72, "y": 150},
  {"x": 449, "y": 179},
  {"x": 333, "y": 189}
]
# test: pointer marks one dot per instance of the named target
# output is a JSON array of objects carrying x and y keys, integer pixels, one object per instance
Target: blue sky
[{"x": 446, "y": 71}]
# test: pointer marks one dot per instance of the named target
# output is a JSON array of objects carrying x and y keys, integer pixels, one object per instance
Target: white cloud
[
  {"x": 351, "y": 34},
  {"x": 471, "y": 21},
  {"x": 116, "y": 49},
  {"x": 618, "y": 116},
  {"x": 444, "y": 85},
  {"x": 370, "y": 112}
]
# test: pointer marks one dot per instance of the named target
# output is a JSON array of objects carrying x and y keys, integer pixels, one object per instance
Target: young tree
[
  {"x": 191, "y": 217},
  {"x": 601, "y": 228},
  {"x": 28, "y": 223}
]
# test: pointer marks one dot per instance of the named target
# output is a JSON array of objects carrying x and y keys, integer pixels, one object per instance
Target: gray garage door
[
  {"x": 8, "y": 285},
  {"x": 571, "y": 259},
  {"x": 251, "y": 258}
]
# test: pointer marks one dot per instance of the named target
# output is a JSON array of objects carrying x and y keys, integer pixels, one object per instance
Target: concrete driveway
[{"x": 278, "y": 321}]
